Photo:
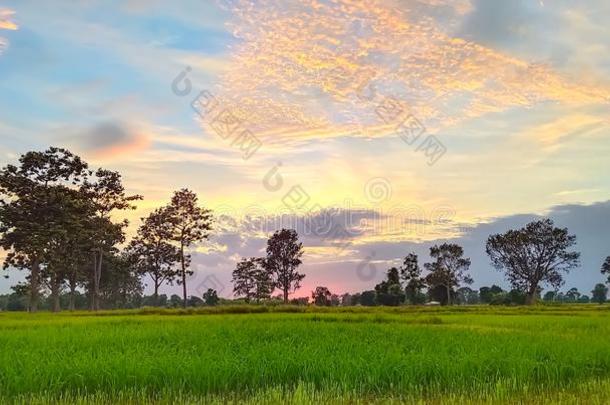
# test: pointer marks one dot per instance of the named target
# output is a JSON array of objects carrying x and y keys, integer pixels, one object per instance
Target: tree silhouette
[
  {"x": 30, "y": 190},
  {"x": 321, "y": 296},
  {"x": 599, "y": 293},
  {"x": 189, "y": 224},
  {"x": 410, "y": 273},
  {"x": 535, "y": 254},
  {"x": 251, "y": 280},
  {"x": 449, "y": 268},
  {"x": 606, "y": 269},
  {"x": 284, "y": 253},
  {"x": 152, "y": 253}
]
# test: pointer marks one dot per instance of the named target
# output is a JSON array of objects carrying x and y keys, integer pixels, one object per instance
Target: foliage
[
  {"x": 449, "y": 269},
  {"x": 284, "y": 252},
  {"x": 189, "y": 224},
  {"x": 538, "y": 253}
]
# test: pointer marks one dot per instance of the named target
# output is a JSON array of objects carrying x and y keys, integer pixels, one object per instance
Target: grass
[{"x": 554, "y": 354}]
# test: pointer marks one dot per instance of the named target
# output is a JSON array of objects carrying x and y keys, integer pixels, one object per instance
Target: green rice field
[{"x": 545, "y": 354}]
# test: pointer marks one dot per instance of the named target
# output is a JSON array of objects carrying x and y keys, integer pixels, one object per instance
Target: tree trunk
[
  {"x": 156, "y": 295},
  {"x": 55, "y": 285},
  {"x": 285, "y": 296},
  {"x": 183, "y": 275},
  {"x": 530, "y": 298},
  {"x": 72, "y": 304},
  {"x": 98, "y": 275},
  {"x": 34, "y": 282},
  {"x": 448, "y": 295}
]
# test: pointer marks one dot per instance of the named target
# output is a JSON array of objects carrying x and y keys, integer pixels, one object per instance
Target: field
[{"x": 309, "y": 355}]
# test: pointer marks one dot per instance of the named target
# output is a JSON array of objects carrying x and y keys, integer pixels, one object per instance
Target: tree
[
  {"x": 27, "y": 223},
  {"x": 321, "y": 296},
  {"x": 410, "y": 273},
  {"x": 152, "y": 253},
  {"x": 251, "y": 280},
  {"x": 107, "y": 194},
  {"x": 284, "y": 252},
  {"x": 550, "y": 296},
  {"x": 606, "y": 268},
  {"x": 368, "y": 298},
  {"x": 486, "y": 293},
  {"x": 120, "y": 286},
  {"x": 467, "y": 296},
  {"x": 535, "y": 254},
  {"x": 449, "y": 268},
  {"x": 572, "y": 295},
  {"x": 389, "y": 292},
  {"x": 210, "y": 297},
  {"x": 189, "y": 224},
  {"x": 599, "y": 293}
]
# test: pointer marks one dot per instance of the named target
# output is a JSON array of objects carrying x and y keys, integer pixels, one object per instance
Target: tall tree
[
  {"x": 606, "y": 269},
  {"x": 449, "y": 269},
  {"x": 121, "y": 286},
  {"x": 27, "y": 224},
  {"x": 538, "y": 253},
  {"x": 284, "y": 252},
  {"x": 410, "y": 273},
  {"x": 251, "y": 280},
  {"x": 152, "y": 253},
  {"x": 189, "y": 224},
  {"x": 599, "y": 293},
  {"x": 107, "y": 194},
  {"x": 389, "y": 291}
]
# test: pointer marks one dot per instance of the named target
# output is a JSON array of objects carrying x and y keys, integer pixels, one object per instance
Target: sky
[{"x": 392, "y": 124}]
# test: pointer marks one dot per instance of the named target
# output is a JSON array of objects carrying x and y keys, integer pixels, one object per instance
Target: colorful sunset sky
[{"x": 402, "y": 123}]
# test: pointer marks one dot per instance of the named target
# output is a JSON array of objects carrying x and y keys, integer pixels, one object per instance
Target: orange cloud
[
  {"x": 5, "y": 22},
  {"x": 315, "y": 69}
]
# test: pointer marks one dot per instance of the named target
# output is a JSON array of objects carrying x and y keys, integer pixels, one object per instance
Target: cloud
[
  {"x": 5, "y": 20},
  {"x": 311, "y": 70},
  {"x": 6, "y": 24},
  {"x": 110, "y": 139}
]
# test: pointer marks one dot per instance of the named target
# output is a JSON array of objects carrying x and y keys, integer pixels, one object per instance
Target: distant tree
[
  {"x": 252, "y": 280},
  {"x": 368, "y": 298},
  {"x": 347, "y": 300},
  {"x": 152, "y": 253},
  {"x": 335, "y": 300},
  {"x": 210, "y": 297},
  {"x": 321, "y": 296},
  {"x": 194, "y": 301},
  {"x": 466, "y": 295},
  {"x": 449, "y": 268},
  {"x": 606, "y": 269},
  {"x": 486, "y": 293},
  {"x": 599, "y": 293},
  {"x": 550, "y": 296},
  {"x": 517, "y": 297},
  {"x": 572, "y": 295},
  {"x": 189, "y": 224},
  {"x": 584, "y": 299},
  {"x": 284, "y": 252},
  {"x": 535, "y": 254},
  {"x": 410, "y": 273},
  {"x": 389, "y": 291},
  {"x": 175, "y": 301}
]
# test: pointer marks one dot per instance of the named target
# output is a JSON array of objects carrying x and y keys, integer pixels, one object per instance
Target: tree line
[{"x": 58, "y": 223}]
